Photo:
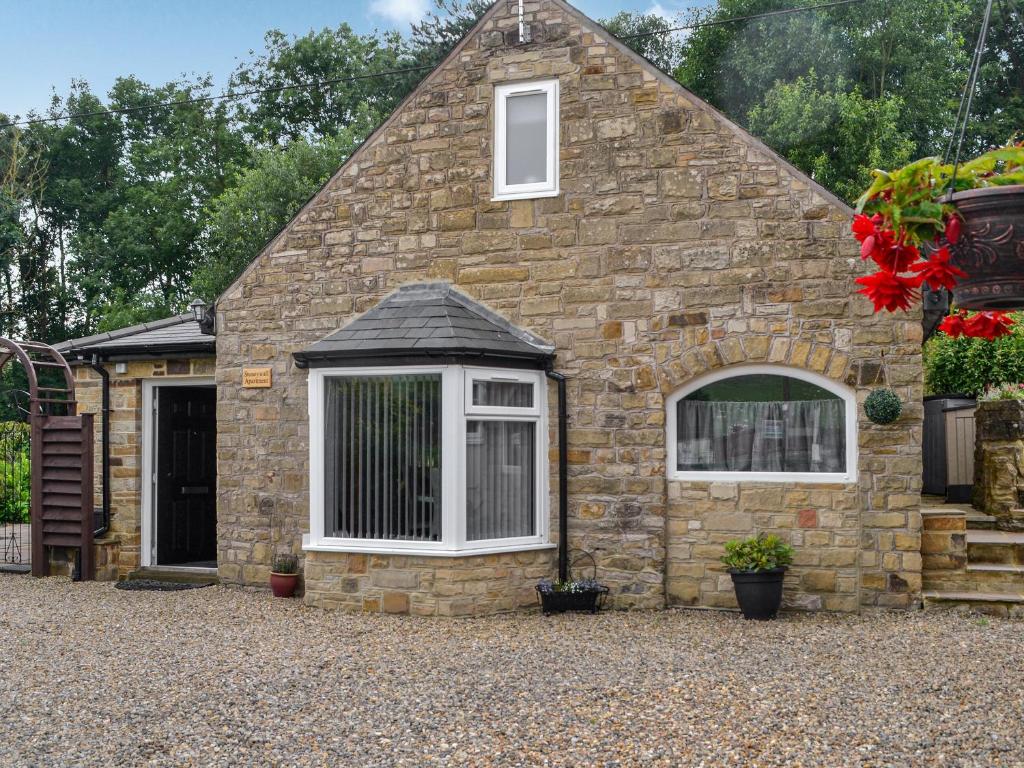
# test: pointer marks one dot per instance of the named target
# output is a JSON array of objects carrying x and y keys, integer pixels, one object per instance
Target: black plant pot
[
  {"x": 759, "y": 593},
  {"x": 991, "y": 248}
]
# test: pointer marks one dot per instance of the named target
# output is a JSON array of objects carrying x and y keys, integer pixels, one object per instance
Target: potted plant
[
  {"x": 572, "y": 594},
  {"x": 953, "y": 227},
  {"x": 284, "y": 575},
  {"x": 585, "y": 595},
  {"x": 757, "y": 566}
]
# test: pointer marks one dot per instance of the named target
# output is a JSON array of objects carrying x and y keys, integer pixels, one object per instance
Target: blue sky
[{"x": 55, "y": 41}]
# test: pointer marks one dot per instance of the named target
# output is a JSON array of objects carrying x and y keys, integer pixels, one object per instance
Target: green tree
[
  {"x": 998, "y": 109},
  {"x": 283, "y": 114},
  {"x": 908, "y": 54},
  {"x": 263, "y": 198},
  {"x": 127, "y": 193},
  {"x": 647, "y": 34},
  {"x": 837, "y": 135}
]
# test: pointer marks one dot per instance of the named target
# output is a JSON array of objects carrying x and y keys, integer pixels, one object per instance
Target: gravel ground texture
[{"x": 92, "y": 675}]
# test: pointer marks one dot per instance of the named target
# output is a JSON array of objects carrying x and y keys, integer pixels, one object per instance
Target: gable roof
[
  {"x": 592, "y": 26},
  {"x": 177, "y": 334},
  {"x": 425, "y": 321}
]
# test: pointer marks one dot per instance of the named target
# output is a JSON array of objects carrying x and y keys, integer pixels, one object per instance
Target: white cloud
[
  {"x": 400, "y": 11},
  {"x": 657, "y": 9}
]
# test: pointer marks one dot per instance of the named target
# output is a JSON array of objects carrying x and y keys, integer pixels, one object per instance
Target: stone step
[
  {"x": 175, "y": 575},
  {"x": 981, "y": 577},
  {"x": 993, "y": 603},
  {"x": 979, "y": 521},
  {"x": 999, "y": 547}
]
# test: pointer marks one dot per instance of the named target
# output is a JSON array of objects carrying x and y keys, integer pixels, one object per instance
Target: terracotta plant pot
[
  {"x": 991, "y": 248},
  {"x": 283, "y": 584}
]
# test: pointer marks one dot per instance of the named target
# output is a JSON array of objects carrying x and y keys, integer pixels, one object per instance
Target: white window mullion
[
  {"x": 316, "y": 456},
  {"x": 453, "y": 518}
]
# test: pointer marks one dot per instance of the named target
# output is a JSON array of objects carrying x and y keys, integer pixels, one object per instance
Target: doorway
[{"x": 183, "y": 497}]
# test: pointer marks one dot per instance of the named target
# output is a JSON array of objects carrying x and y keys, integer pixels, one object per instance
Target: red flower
[
  {"x": 983, "y": 325},
  {"x": 952, "y": 229},
  {"x": 988, "y": 325},
  {"x": 896, "y": 257},
  {"x": 937, "y": 271},
  {"x": 954, "y": 325},
  {"x": 863, "y": 227},
  {"x": 888, "y": 290}
]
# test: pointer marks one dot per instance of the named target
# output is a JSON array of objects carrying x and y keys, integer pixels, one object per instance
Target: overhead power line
[
  {"x": 387, "y": 72},
  {"x": 218, "y": 97}
]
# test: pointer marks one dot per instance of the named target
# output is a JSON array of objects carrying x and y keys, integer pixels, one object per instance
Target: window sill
[
  {"x": 524, "y": 195},
  {"x": 379, "y": 549},
  {"x": 763, "y": 477}
]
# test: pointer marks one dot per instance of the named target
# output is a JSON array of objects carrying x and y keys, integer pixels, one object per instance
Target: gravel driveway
[{"x": 91, "y": 675}]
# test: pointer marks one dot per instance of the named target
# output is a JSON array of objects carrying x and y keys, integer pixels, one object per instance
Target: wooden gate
[
  {"x": 61, "y": 456},
  {"x": 62, "y": 466}
]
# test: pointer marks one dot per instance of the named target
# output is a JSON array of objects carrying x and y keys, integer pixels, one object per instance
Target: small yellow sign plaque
[{"x": 256, "y": 377}]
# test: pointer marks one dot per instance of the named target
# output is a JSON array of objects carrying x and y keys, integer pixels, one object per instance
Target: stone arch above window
[{"x": 762, "y": 423}]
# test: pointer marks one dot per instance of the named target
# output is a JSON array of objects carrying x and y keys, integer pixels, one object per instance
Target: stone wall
[
  {"x": 426, "y": 586},
  {"x": 118, "y": 553},
  {"x": 999, "y": 461},
  {"x": 678, "y": 245}
]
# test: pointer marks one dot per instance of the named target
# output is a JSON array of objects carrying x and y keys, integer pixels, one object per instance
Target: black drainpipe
[
  {"x": 105, "y": 512},
  {"x": 563, "y": 476}
]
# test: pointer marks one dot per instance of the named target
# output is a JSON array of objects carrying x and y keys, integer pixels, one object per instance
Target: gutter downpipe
[
  {"x": 563, "y": 475},
  {"x": 105, "y": 511}
]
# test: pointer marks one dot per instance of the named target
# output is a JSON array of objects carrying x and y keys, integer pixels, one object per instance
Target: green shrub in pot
[{"x": 757, "y": 566}]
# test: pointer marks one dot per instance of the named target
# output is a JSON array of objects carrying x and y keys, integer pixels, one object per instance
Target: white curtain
[{"x": 795, "y": 436}]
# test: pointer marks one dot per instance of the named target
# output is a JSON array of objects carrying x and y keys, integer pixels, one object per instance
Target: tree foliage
[
  {"x": 648, "y": 34},
  {"x": 108, "y": 219},
  {"x": 834, "y": 133}
]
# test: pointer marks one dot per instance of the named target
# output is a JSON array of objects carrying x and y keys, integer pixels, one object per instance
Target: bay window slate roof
[
  {"x": 178, "y": 334},
  {"x": 427, "y": 320}
]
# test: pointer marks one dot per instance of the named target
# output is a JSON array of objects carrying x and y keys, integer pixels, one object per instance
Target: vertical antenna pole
[{"x": 524, "y": 35}]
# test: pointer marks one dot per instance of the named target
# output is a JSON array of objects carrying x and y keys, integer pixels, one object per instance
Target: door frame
[{"x": 148, "y": 440}]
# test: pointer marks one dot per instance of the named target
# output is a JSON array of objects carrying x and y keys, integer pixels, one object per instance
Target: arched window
[{"x": 762, "y": 422}]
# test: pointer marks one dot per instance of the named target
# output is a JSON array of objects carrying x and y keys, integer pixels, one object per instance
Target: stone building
[{"x": 548, "y": 204}]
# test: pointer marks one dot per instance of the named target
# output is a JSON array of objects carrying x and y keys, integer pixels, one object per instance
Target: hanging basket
[
  {"x": 883, "y": 406},
  {"x": 991, "y": 248},
  {"x": 579, "y": 595}
]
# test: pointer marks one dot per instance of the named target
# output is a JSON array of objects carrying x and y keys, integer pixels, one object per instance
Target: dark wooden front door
[{"x": 186, "y": 484}]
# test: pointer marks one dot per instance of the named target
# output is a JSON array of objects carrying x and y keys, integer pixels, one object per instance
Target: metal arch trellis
[
  {"x": 50, "y": 393},
  {"x": 36, "y": 358}
]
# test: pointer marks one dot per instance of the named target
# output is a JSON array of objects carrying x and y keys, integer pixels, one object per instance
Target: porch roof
[
  {"x": 423, "y": 322},
  {"x": 172, "y": 335}
]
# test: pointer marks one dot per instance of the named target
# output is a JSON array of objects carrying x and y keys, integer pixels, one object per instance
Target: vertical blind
[
  {"x": 500, "y": 461},
  {"x": 382, "y": 454}
]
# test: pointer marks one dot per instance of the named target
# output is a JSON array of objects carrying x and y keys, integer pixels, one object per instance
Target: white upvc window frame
[
  {"x": 549, "y": 187},
  {"x": 455, "y": 380},
  {"x": 850, "y": 417}
]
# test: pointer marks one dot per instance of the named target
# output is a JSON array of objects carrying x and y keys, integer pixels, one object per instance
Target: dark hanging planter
[
  {"x": 583, "y": 595},
  {"x": 991, "y": 248},
  {"x": 883, "y": 406}
]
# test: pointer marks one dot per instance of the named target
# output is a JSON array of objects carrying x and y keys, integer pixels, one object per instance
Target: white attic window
[{"x": 526, "y": 140}]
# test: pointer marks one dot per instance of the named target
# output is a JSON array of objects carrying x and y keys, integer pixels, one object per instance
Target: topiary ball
[{"x": 883, "y": 406}]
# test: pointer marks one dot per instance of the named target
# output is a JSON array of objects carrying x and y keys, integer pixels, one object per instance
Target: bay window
[{"x": 427, "y": 460}]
